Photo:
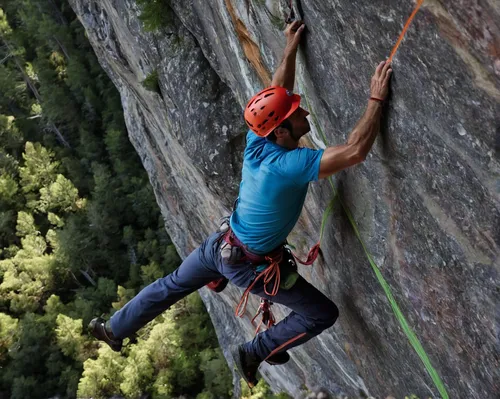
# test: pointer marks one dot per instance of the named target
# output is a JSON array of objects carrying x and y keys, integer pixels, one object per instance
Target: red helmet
[{"x": 268, "y": 108}]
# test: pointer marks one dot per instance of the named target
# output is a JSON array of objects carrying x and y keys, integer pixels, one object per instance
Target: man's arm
[
  {"x": 285, "y": 74},
  {"x": 363, "y": 135}
]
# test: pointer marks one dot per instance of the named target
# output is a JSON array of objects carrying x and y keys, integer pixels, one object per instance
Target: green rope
[
  {"x": 415, "y": 343},
  {"x": 326, "y": 214}
]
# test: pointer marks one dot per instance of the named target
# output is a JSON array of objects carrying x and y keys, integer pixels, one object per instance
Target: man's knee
[{"x": 330, "y": 314}]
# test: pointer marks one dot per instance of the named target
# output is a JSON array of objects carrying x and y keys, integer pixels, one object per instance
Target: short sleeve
[
  {"x": 301, "y": 165},
  {"x": 252, "y": 139}
]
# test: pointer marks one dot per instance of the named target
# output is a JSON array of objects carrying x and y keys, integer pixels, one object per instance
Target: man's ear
[{"x": 280, "y": 132}]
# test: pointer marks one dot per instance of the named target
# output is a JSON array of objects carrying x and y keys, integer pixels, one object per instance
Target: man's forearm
[
  {"x": 367, "y": 128},
  {"x": 285, "y": 74}
]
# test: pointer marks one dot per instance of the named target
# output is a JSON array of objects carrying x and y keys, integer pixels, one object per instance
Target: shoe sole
[{"x": 238, "y": 361}]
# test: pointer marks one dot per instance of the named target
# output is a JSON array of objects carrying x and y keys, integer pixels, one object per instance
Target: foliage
[
  {"x": 80, "y": 230},
  {"x": 166, "y": 361},
  {"x": 155, "y": 14},
  {"x": 151, "y": 82},
  {"x": 260, "y": 391}
]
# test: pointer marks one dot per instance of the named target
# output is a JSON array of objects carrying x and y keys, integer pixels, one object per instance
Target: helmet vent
[
  {"x": 255, "y": 103},
  {"x": 275, "y": 119},
  {"x": 269, "y": 95},
  {"x": 261, "y": 108},
  {"x": 271, "y": 114},
  {"x": 248, "y": 123}
]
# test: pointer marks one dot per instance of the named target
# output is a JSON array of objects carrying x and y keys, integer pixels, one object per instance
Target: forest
[{"x": 80, "y": 229}]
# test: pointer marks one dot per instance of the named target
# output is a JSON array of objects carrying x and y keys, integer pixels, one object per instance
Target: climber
[{"x": 275, "y": 178}]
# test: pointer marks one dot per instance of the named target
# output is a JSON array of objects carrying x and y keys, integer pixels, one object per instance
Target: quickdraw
[{"x": 268, "y": 319}]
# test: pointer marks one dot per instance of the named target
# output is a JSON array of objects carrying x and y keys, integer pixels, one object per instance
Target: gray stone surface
[{"x": 427, "y": 199}]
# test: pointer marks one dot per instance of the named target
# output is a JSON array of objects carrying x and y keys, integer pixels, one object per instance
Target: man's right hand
[
  {"x": 379, "y": 87},
  {"x": 361, "y": 139}
]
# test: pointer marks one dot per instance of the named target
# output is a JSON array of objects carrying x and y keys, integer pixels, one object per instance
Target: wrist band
[{"x": 377, "y": 99}]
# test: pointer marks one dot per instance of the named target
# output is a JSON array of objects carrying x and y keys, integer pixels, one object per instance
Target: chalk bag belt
[{"x": 270, "y": 275}]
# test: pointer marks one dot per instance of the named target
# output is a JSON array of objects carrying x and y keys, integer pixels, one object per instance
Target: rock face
[{"x": 426, "y": 201}]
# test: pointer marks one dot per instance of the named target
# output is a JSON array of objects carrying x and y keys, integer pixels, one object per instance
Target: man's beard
[{"x": 296, "y": 136}]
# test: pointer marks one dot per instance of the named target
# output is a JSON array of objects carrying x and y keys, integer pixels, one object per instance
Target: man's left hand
[{"x": 293, "y": 34}]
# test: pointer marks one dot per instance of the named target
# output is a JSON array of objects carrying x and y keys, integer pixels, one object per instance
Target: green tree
[
  {"x": 138, "y": 373},
  {"x": 70, "y": 339},
  {"x": 155, "y": 14},
  {"x": 60, "y": 196},
  {"x": 80, "y": 229},
  {"x": 11, "y": 137},
  {"x": 39, "y": 168},
  {"x": 26, "y": 279},
  {"x": 215, "y": 373},
  {"x": 25, "y": 224},
  {"x": 8, "y": 333},
  {"x": 102, "y": 377}
]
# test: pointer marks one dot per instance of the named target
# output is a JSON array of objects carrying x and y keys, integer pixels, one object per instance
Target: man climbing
[{"x": 250, "y": 252}]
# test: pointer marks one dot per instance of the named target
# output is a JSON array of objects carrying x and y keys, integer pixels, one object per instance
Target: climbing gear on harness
[
  {"x": 267, "y": 316},
  {"x": 268, "y": 108},
  {"x": 278, "y": 261},
  {"x": 316, "y": 249},
  {"x": 272, "y": 272}
]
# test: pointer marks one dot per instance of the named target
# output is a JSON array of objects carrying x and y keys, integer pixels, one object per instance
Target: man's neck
[{"x": 287, "y": 143}]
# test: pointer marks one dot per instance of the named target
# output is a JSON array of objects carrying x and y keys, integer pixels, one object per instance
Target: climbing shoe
[
  {"x": 247, "y": 364},
  {"x": 97, "y": 327},
  {"x": 278, "y": 359}
]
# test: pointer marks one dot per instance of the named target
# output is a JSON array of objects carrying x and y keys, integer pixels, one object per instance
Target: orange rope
[
  {"x": 407, "y": 25},
  {"x": 271, "y": 272}
]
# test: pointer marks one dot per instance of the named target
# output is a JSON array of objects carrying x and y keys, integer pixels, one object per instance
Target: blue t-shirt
[{"x": 272, "y": 192}]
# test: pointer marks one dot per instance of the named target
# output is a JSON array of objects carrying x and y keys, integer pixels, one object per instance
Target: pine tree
[
  {"x": 39, "y": 168},
  {"x": 80, "y": 230}
]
